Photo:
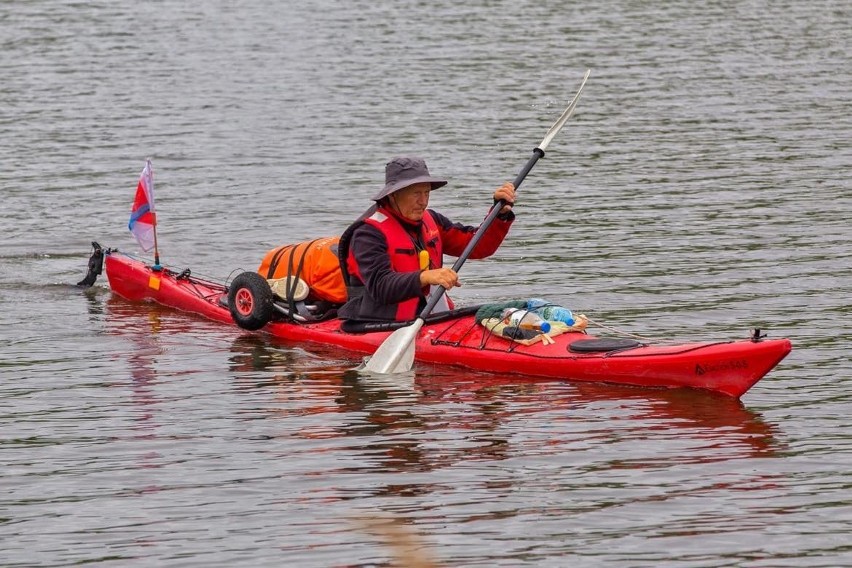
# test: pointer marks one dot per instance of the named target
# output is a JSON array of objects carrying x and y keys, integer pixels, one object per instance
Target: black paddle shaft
[{"x": 495, "y": 210}]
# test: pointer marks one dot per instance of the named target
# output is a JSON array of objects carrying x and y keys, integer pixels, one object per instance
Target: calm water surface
[{"x": 701, "y": 189}]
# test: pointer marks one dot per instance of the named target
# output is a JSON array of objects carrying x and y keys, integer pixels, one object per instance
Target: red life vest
[{"x": 404, "y": 257}]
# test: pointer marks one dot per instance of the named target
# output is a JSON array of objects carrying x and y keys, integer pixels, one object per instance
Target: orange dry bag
[{"x": 315, "y": 262}]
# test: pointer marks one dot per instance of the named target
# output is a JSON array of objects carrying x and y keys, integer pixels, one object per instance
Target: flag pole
[{"x": 157, "y": 267}]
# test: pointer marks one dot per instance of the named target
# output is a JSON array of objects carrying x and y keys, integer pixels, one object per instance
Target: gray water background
[{"x": 701, "y": 189}]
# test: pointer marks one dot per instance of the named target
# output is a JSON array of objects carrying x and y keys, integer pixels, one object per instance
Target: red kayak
[{"x": 729, "y": 367}]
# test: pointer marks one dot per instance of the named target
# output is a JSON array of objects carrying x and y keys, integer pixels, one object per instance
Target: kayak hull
[{"x": 730, "y": 367}]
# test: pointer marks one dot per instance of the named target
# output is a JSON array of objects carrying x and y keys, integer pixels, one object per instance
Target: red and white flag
[{"x": 143, "y": 219}]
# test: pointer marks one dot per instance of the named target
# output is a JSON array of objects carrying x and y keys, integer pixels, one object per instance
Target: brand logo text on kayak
[{"x": 722, "y": 366}]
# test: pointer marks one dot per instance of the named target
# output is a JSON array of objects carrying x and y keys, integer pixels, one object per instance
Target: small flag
[{"x": 143, "y": 219}]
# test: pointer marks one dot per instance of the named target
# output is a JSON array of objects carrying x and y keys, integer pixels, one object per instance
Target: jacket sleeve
[
  {"x": 455, "y": 236},
  {"x": 383, "y": 283}
]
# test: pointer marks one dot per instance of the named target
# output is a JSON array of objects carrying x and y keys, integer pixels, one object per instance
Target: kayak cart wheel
[{"x": 250, "y": 301}]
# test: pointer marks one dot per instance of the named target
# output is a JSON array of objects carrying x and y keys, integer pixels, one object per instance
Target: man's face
[{"x": 411, "y": 201}]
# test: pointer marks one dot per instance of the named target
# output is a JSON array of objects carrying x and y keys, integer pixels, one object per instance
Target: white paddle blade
[
  {"x": 557, "y": 126},
  {"x": 396, "y": 353}
]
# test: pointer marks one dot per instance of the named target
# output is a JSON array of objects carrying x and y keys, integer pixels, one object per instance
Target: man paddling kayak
[{"x": 393, "y": 253}]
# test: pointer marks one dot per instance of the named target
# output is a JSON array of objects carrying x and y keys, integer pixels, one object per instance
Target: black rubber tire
[{"x": 250, "y": 301}]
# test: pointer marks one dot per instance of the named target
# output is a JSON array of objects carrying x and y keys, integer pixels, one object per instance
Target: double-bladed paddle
[{"x": 396, "y": 353}]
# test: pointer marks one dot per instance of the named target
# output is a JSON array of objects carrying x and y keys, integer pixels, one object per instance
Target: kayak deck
[{"x": 730, "y": 367}]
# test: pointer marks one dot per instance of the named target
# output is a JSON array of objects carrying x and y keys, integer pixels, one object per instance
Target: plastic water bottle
[
  {"x": 550, "y": 312},
  {"x": 525, "y": 319}
]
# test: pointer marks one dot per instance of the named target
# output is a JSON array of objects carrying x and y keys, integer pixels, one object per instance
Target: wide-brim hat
[{"x": 403, "y": 171}]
